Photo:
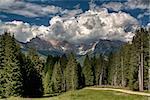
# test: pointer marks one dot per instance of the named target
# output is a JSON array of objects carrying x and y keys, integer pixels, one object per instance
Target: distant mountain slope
[
  {"x": 48, "y": 48},
  {"x": 107, "y": 46}
]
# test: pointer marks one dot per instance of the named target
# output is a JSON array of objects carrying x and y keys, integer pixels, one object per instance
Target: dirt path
[{"x": 120, "y": 90}]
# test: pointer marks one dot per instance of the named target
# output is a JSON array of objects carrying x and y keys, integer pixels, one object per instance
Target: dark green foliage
[
  {"x": 50, "y": 61},
  {"x": 48, "y": 71},
  {"x": 1, "y": 68},
  {"x": 88, "y": 72},
  {"x": 141, "y": 43},
  {"x": 114, "y": 69},
  {"x": 99, "y": 70},
  {"x": 38, "y": 63},
  {"x": 11, "y": 77},
  {"x": 32, "y": 77},
  {"x": 129, "y": 66},
  {"x": 57, "y": 78},
  {"x": 63, "y": 62},
  {"x": 72, "y": 74}
]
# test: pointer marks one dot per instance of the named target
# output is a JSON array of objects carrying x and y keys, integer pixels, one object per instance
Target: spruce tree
[
  {"x": 48, "y": 70},
  {"x": 98, "y": 69},
  {"x": 140, "y": 43},
  {"x": 32, "y": 77},
  {"x": 11, "y": 69},
  {"x": 110, "y": 69},
  {"x": 38, "y": 63},
  {"x": 63, "y": 62},
  {"x": 46, "y": 83},
  {"x": 57, "y": 78},
  {"x": 2, "y": 89},
  {"x": 72, "y": 76},
  {"x": 125, "y": 63},
  {"x": 88, "y": 72}
]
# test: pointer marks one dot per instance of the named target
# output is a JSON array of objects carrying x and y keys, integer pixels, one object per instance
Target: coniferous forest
[{"x": 27, "y": 75}]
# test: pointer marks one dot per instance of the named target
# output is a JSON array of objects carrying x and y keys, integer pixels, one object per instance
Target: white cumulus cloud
[
  {"x": 87, "y": 26},
  {"x": 94, "y": 24},
  {"x": 23, "y": 31}
]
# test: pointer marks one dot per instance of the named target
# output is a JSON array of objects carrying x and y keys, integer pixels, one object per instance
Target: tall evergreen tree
[
  {"x": 48, "y": 70},
  {"x": 110, "y": 69},
  {"x": 57, "y": 78},
  {"x": 88, "y": 72},
  {"x": 32, "y": 77},
  {"x": 71, "y": 74},
  {"x": 125, "y": 63},
  {"x": 63, "y": 62},
  {"x": 2, "y": 89},
  {"x": 98, "y": 69},
  {"x": 11, "y": 81},
  {"x": 140, "y": 43}
]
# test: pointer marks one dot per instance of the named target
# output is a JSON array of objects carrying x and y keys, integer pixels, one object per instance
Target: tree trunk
[
  {"x": 141, "y": 65},
  {"x": 115, "y": 79},
  {"x": 122, "y": 74},
  {"x": 100, "y": 79}
]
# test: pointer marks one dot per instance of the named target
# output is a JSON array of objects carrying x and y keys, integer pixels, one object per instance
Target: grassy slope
[{"x": 86, "y": 94}]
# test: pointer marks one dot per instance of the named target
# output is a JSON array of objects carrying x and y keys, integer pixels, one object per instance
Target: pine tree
[
  {"x": 46, "y": 83},
  {"x": 48, "y": 70},
  {"x": 98, "y": 69},
  {"x": 32, "y": 77},
  {"x": 146, "y": 47},
  {"x": 63, "y": 62},
  {"x": 88, "y": 72},
  {"x": 1, "y": 69},
  {"x": 57, "y": 78},
  {"x": 110, "y": 69},
  {"x": 140, "y": 43},
  {"x": 125, "y": 63},
  {"x": 10, "y": 68},
  {"x": 71, "y": 74},
  {"x": 38, "y": 63}
]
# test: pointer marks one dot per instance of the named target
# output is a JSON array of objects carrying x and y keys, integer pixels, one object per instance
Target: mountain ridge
[{"x": 45, "y": 47}]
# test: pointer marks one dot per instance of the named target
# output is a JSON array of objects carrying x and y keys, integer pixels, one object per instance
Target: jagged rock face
[
  {"x": 107, "y": 46},
  {"x": 61, "y": 47},
  {"x": 39, "y": 44}
]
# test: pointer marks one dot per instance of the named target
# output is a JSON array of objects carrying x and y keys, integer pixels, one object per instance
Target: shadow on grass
[{"x": 45, "y": 96}]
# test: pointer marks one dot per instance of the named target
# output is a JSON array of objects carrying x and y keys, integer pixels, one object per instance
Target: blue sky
[{"x": 73, "y": 20}]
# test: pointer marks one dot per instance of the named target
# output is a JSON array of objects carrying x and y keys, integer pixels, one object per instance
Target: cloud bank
[
  {"x": 130, "y": 4},
  {"x": 84, "y": 27},
  {"x": 27, "y": 9}
]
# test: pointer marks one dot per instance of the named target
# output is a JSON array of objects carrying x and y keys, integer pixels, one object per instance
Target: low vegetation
[{"x": 85, "y": 94}]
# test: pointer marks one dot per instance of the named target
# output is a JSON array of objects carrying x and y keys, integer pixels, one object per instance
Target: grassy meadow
[{"x": 85, "y": 94}]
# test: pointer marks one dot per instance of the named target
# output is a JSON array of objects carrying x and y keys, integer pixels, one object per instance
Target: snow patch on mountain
[{"x": 83, "y": 52}]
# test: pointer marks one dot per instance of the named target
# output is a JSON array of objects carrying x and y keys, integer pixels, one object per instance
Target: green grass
[{"x": 86, "y": 94}]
